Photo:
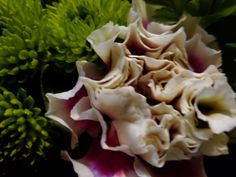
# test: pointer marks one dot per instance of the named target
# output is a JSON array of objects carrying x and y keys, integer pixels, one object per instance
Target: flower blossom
[{"x": 161, "y": 99}]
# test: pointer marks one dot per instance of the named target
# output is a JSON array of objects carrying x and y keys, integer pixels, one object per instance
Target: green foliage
[
  {"x": 210, "y": 11},
  {"x": 33, "y": 33},
  {"x": 22, "y": 129},
  {"x": 22, "y": 43},
  {"x": 233, "y": 45},
  {"x": 72, "y": 21}
]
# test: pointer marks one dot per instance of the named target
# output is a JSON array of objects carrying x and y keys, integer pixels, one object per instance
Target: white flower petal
[
  {"x": 216, "y": 106},
  {"x": 79, "y": 168},
  {"x": 217, "y": 145},
  {"x": 59, "y": 110},
  {"x": 123, "y": 71},
  {"x": 200, "y": 56},
  {"x": 190, "y": 25},
  {"x": 102, "y": 39},
  {"x": 121, "y": 104}
]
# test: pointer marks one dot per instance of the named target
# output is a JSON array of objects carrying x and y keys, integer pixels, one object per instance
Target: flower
[
  {"x": 161, "y": 98},
  {"x": 18, "y": 114},
  {"x": 147, "y": 99}
]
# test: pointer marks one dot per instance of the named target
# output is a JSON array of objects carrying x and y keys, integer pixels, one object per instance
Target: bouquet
[{"x": 111, "y": 88}]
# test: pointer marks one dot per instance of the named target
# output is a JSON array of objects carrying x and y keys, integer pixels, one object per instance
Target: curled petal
[
  {"x": 217, "y": 145},
  {"x": 60, "y": 105},
  {"x": 130, "y": 115},
  {"x": 127, "y": 110},
  {"x": 190, "y": 25},
  {"x": 197, "y": 81},
  {"x": 121, "y": 104},
  {"x": 216, "y": 106},
  {"x": 164, "y": 84},
  {"x": 180, "y": 146},
  {"x": 79, "y": 168},
  {"x": 208, "y": 105},
  {"x": 194, "y": 131},
  {"x": 123, "y": 71},
  {"x": 102, "y": 40},
  {"x": 166, "y": 46},
  {"x": 200, "y": 56},
  {"x": 90, "y": 70},
  {"x": 137, "y": 41},
  {"x": 142, "y": 10},
  {"x": 99, "y": 162}
]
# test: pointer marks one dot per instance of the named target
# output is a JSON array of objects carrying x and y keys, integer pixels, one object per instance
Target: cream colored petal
[
  {"x": 164, "y": 84},
  {"x": 185, "y": 103},
  {"x": 79, "y": 168},
  {"x": 198, "y": 81},
  {"x": 182, "y": 148},
  {"x": 81, "y": 106},
  {"x": 171, "y": 47},
  {"x": 167, "y": 140},
  {"x": 140, "y": 168},
  {"x": 60, "y": 105},
  {"x": 90, "y": 70},
  {"x": 141, "y": 42},
  {"x": 122, "y": 147},
  {"x": 59, "y": 109},
  {"x": 152, "y": 64},
  {"x": 216, "y": 105},
  {"x": 123, "y": 71},
  {"x": 122, "y": 103},
  {"x": 180, "y": 145},
  {"x": 138, "y": 10},
  {"x": 165, "y": 46},
  {"x": 153, "y": 141},
  {"x": 142, "y": 10},
  {"x": 217, "y": 145},
  {"x": 196, "y": 133},
  {"x": 169, "y": 119},
  {"x": 137, "y": 41},
  {"x": 130, "y": 114},
  {"x": 159, "y": 28},
  {"x": 190, "y": 25},
  {"x": 200, "y": 56},
  {"x": 132, "y": 134},
  {"x": 102, "y": 39}
]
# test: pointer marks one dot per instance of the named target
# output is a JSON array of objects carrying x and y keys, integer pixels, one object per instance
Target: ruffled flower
[{"x": 159, "y": 100}]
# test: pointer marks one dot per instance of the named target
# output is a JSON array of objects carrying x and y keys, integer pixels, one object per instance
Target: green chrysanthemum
[
  {"x": 72, "y": 21},
  {"x": 22, "y": 129},
  {"x": 22, "y": 42}
]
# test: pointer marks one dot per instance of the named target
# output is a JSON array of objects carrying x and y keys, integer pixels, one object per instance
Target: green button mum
[
  {"x": 22, "y": 129},
  {"x": 22, "y": 41}
]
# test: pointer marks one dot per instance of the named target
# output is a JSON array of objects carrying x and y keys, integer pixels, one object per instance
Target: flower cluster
[
  {"x": 160, "y": 97},
  {"x": 20, "y": 121}
]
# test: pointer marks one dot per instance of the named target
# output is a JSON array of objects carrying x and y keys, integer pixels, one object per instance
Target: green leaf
[
  {"x": 166, "y": 15},
  {"x": 212, "y": 18},
  {"x": 210, "y": 11},
  {"x": 233, "y": 45}
]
